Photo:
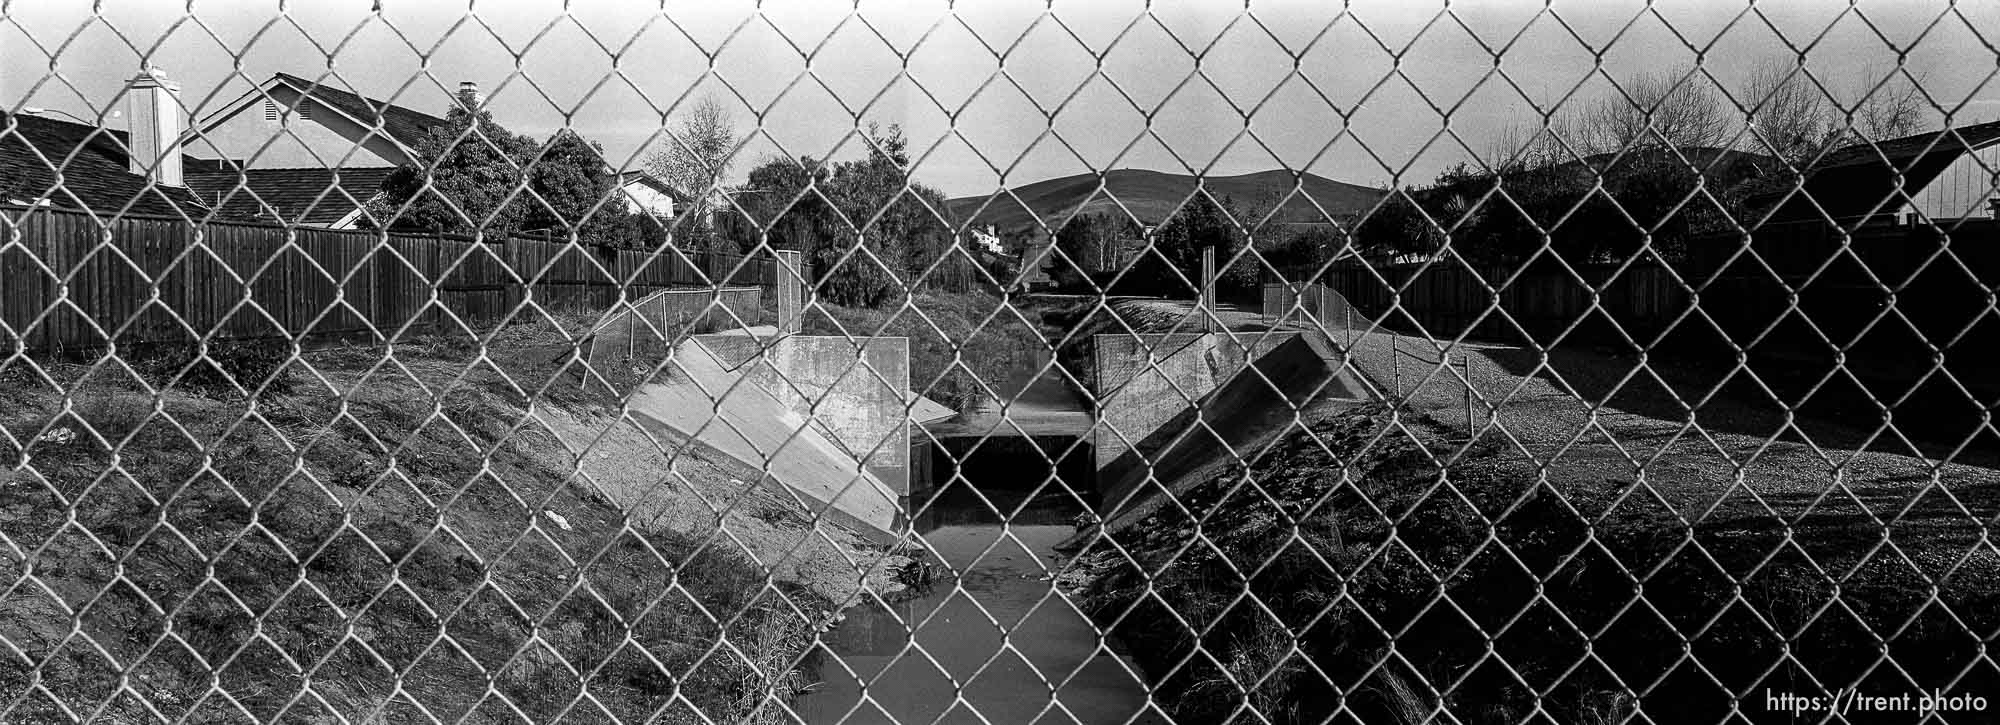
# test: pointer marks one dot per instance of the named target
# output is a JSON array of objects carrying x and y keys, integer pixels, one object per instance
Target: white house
[
  {"x": 645, "y": 194},
  {"x": 310, "y": 152},
  {"x": 1963, "y": 188},
  {"x": 1943, "y": 175}
]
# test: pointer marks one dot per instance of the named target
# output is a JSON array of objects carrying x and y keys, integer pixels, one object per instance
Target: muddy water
[{"x": 993, "y": 637}]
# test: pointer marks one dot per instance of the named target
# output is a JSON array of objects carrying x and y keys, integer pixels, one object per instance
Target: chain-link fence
[{"x": 1543, "y": 363}]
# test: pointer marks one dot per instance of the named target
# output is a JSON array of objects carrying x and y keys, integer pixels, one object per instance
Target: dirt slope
[{"x": 381, "y": 541}]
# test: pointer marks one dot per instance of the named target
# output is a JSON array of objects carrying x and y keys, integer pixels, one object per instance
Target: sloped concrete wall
[
  {"x": 1166, "y": 401},
  {"x": 708, "y": 401},
  {"x": 854, "y": 391},
  {"x": 1143, "y": 381}
]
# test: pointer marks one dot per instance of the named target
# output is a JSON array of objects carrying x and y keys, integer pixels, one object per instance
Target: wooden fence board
[{"x": 150, "y": 279}]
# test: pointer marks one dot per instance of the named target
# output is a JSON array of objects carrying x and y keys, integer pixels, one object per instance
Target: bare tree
[
  {"x": 1892, "y": 109},
  {"x": 1656, "y": 110},
  {"x": 1791, "y": 117},
  {"x": 699, "y": 159},
  {"x": 1522, "y": 146}
]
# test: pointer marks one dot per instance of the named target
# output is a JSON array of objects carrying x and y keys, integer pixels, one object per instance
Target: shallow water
[{"x": 996, "y": 637}]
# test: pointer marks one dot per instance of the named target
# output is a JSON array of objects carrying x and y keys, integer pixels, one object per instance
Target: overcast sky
[{"x": 1081, "y": 82}]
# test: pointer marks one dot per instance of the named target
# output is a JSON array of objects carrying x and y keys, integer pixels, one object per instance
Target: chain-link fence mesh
[{"x": 330, "y": 393}]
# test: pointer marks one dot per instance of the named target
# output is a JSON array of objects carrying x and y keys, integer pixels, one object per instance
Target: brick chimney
[
  {"x": 153, "y": 116},
  {"x": 468, "y": 95}
]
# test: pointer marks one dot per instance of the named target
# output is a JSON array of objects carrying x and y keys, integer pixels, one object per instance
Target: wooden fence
[
  {"x": 1448, "y": 300},
  {"x": 1877, "y": 314},
  {"x": 69, "y": 281},
  {"x": 1881, "y": 292}
]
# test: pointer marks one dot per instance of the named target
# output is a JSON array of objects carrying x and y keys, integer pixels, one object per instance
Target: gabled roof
[
  {"x": 77, "y": 166},
  {"x": 403, "y": 125},
  {"x": 1903, "y": 152},
  {"x": 313, "y": 195},
  {"x": 628, "y": 178},
  {"x": 1861, "y": 180}
]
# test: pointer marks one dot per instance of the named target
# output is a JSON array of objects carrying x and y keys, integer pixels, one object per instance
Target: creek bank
[
  {"x": 352, "y": 517},
  {"x": 1387, "y": 564}
]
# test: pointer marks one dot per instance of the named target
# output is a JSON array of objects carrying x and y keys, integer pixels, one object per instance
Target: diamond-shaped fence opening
[{"x": 1382, "y": 364}]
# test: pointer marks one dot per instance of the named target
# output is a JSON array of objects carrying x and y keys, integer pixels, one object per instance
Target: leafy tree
[
  {"x": 461, "y": 179},
  {"x": 1399, "y": 227},
  {"x": 1173, "y": 268},
  {"x": 864, "y": 225},
  {"x": 1091, "y": 244},
  {"x": 472, "y": 175},
  {"x": 1299, "y": 253},
  {"x": 898, "y": 217},
  {"x": 573, "y": 189}
]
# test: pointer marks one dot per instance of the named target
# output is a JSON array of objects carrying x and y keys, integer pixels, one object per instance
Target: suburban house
[
  {"x": 291, "y": 151},
  {"x": 1943, "y": 176},
  {"x": 96, "y": 171},
  {"x": 295, "y": 137},
  {"x": 56, "y": 163}
]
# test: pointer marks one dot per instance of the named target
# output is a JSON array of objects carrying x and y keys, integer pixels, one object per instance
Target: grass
[
  {"x": 1392, "y": 575},
  {"x": 373, "y": 545}
]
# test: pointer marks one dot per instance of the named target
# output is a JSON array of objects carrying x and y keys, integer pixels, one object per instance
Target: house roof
[
  {"x": 312, "y": 195},
  {"x": 1864, "y": 179},
  {"x": 78, "y": 166},
  {"x": 1903, "y": 152},
  {"x": 404, "y": 126},
  {"x": 628, "y": 178}
]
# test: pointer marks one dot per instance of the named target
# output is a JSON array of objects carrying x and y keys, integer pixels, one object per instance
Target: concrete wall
[
  {"x": 1300, "y": 379},
  {"x": 1152, "y": 389},
  {"x": 704, "y": 399},
  {"x": 1142, "y": 381},
  {"x": 854, "y": 391},
  {"x": 1286, "y": 374}
]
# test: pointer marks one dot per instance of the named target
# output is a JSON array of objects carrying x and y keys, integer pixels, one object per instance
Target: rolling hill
[{"x": 1152, "y": 195}]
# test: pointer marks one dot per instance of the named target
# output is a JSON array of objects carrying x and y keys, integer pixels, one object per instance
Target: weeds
[
  {"x": 221, "y": 367},
  {"x": 351, "y": 527},
  {"x": 1405, "y": 703},
  {"x": 1372, "y": 556}
]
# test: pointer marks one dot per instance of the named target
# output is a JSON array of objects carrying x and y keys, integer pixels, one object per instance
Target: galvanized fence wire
[{"x": 1663, "y": 414}]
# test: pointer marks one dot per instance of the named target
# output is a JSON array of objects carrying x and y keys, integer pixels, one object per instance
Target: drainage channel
[{"x": 989, "y": 634}]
